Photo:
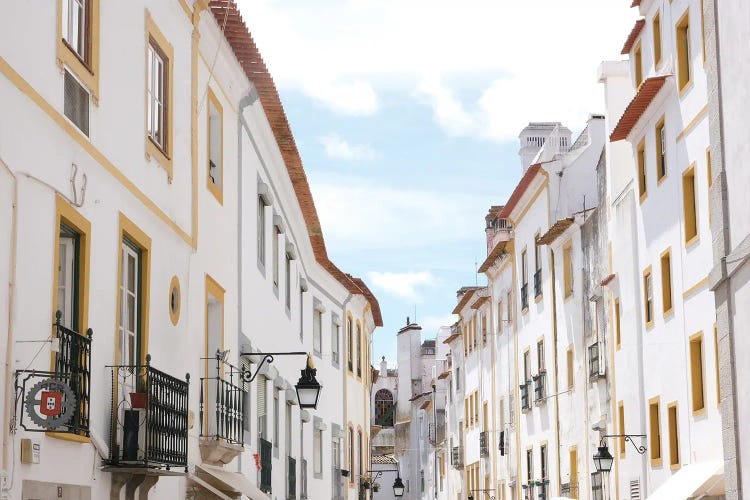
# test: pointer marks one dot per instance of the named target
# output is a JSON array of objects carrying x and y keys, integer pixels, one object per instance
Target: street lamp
[
  {"x": 603, "y": 459},
  {"x": 398, "y": 488},
  {"x": 308, "y": 388}
]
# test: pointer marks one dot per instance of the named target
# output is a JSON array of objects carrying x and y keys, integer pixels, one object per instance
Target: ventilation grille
[
  {"x": 635, "y": 489},
  {"x": 76, "y": 103}
]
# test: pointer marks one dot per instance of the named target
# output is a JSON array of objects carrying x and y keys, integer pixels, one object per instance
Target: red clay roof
[
  {"x": 451, "y": 338},
  {"x": 255, "y": 68},
  {"x": 492, "y": 257},
  {"x": 464, "y": 300},
  {"x": 374, "y": 304},
  {"x": 640, "y": 103},
  {"x": 636, "y": 3},
  {"x": 523, "y": 184},
  {"x": 556, "y": 230},
  {"x": 479, "y": 302},
  {"x": 639, "y": 24}
]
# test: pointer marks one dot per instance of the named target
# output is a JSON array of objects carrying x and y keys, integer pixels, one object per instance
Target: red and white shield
[{"x": 51, "y": 403}]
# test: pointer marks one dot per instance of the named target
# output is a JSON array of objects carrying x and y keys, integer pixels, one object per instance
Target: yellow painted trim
[
  {"x": 569, "y": 283},
  {"x": 87, "y": 73},
  {"x": 698, "y": 336},
  {"x": 641, "y": 153},
  {"x": 174, "y": 316},
  {"x": 687, "y": 293},
  {"x": 95, "y": 154},
  {"x": 217, "y": 191},
  {"x": 617, "y": 323},
  {"x": 358, "y": 360},
  {"x": 530, "y": 203},
  {"x": 687, "y": 84},
  {"x": 666, "y": 311},
  {"x": 655, "y": 462},
  {"x": 68, "y": 215},
  {"x": 186, "y": 8},
  {"x": 66, "y": 436},
  {"x": 648, "y": 272},
  {"x": 690, "y": 172},
  {"x": 661, "y": 123},
  {"x": 621, "y": 428},
  {"x": 217, "y": 82},
  {"x": 212, "y": 289},
  {"x": 656, "y": 28},
  {"x": 128, "y": 229},
  {"x": 674, "y": 466},
  {"x": 163, "y": 156},
  {"x": 690, "y": 126}
]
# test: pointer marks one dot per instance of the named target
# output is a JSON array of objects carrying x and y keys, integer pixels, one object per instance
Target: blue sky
[{"x": 406, "y": 114}]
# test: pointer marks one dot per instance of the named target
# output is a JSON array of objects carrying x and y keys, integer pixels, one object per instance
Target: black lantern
[
  {"x": 398, "y": 488},
  {"x": 471, "y": 497},
  {"x": 603, "y": 459},
  {"x": 308, "y": 388}
]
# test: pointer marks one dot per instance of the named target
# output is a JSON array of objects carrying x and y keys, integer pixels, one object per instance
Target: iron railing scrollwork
[
  {"x": 484, "y": 445},
  {"x": 525, "y": 296},
  {"x": 539, "y": 387},
  {"x": 537, "y": 283},
  {"x": 525, "y": 400},
  {"x": 73, "y": 363},
  {"x": 457, "y": 458},
  {"x": 150, "y": 429}
]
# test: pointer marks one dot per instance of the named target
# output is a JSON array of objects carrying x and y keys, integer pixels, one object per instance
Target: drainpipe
[
  {"x": 557, "y": 378},
  {"x": 9, "y": 393}
]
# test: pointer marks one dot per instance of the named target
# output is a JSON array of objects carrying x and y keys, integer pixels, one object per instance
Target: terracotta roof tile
[
  {"x": 251, "y": 61},
  {"x": 646, "y": 93},
  {"x": 374, "y": 304},
  {"x": 451, "y": 338},
  {"x": 464, "y": 300},
  {"x": 556, "y": 230},
  {"x": 479, "y": 302},
  {"x": 493, "y": 256},
  {"x": 523, "y": 184},
  {"x": 444, "y": 375},
  {"x": 634, "y": 33},
  {"x": 636, "y": 3}
]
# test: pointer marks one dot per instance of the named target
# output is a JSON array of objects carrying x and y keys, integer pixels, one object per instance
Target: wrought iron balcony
[
  {"x": 596, "y": 365},
  {"x": 525, "y": 296},
  {"x": 149, "y": 418},
  {"x": 266, "y": 464},
  {"x": 291, "y": 485},
  {"x": 386, "y": 420},
  {"x": 222, "y": 404},
  {"x": 525, "y": 400},
  {"x": 537, "y": 283},
  {"x": 484, "y": 445},
  {"x": 542, "y": 487},
  {"x": 73, "y": 363},
  {"x": 569, "y": 489},
  {"x": 457, "y": 457},
  {"x": 540, "y": 392}
]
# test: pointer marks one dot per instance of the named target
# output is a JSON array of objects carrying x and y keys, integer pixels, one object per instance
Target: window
[
  {"x": 656, "y": 25},
  {"x": 157, "y": 95},
  {"x": 484, "y": 330},
  {"x": 537, "y": 267},
  {"x": 262, "y": 430},
  {"x": 571, "y": 367},
  {"x": 661, "y": 150},
  {"x": 527, "y": 366},
  {"x": 275, "y": 250},
  {"x": 648, "y": 297},
  {"x": 276, "y": 416},
  {"x": 76, "y": 103},
  {"x": 78, "y": 41},
  {"x": 335, "y": 339},
  {"x": 568, "y": 269},
  {"x": 288, "y": 281},
  {"x": 618, "y": 332},
  {"x": 543, "y": 460},
  {"x": 458, "y": 378},
  {"x": 213, "y": 342},
  {"x": 696, "y": 373},
  {"x": 349, "y": 353},
  {"x": 540, "y": 356},
  {"x": 524, "y": 267},
  {"x": 654, "y": 432},
  {"x": 638, "y": 59},
  {"x": 351, "y": 455},
  {"x": 674, "y": 438},
  {"x": 215, "y": 147},
  {"x": 573, "y": 458},
  {"x": 384, "y": 406},
  {"x": 529, "y": 464},
  {"x": 666, "y": 281},
  {"x": 68, "y": 277},
  {"x": 683, "y": 52},
  {"x": 317, "y": 330},
  {"x": 597, "y": 489},
  {"x": 689, "y": 208},
  {"x": 500, "y": 318},
  {"x": 621, "y": 421},
  {"x": 134, "y": 291},
  {"x": 301, "y": 312},
  {"x": 317, "y": 451},
  {"x": 642, "y": 170},
  {"x": 359, "y": 350},
  {"x": 359, "y": 454},
  {"x": 261, "y": 231}
]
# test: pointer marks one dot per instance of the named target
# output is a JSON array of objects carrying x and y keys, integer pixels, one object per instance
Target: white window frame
[
  {"x": 127, "y": 356},
  {"x": 74, "y": 30},
  {"x": 157, "y": 93}
]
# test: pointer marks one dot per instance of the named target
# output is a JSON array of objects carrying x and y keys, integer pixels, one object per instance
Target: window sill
[
  {"x": 216, "y": 191},
  {"x": 538, "y": 298},
  {"x": 700, "y": 413},
  {"x": 649, "y": 325},
  {"x": 661, "y": 179},
  {"x": 692, "y": 241},
  {"x": 154, "y": 151},
  {"x": 66, "y": 436},
  {"x": 656, "y": 462},
  {"x": 674, "y": 466},
  {"x": 686, "y": 88},
  {"x": 66, "y": 56},
  {"x": 643, "y": 197},
  {"x": 668, "y": 313},
  {"x": 568, "y": 297}
]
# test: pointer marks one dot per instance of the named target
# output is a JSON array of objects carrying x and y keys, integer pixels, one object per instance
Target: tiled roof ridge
[
  {"x": 523, "y": 184},
  {"x": 637, "y": 107},
  {"x": 246, "y": 51}
]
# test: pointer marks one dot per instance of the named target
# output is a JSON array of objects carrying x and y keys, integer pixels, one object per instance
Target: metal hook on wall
[{"x": 73, "y": 176}]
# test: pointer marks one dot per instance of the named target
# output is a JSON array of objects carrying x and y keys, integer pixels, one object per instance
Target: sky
[{"x": 407, "y": 113}]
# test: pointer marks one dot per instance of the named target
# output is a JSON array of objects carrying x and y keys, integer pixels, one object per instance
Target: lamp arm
[
  {"x": 629, "y": 438},
  {"x": 267, "y": 357}
]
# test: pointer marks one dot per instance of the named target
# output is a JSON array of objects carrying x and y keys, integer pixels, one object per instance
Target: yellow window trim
[
  {"x": 682, "y": 24},
  {"x": 217, "y": 191},
  {"x": 621, "y": 424},
  {"x": 641, "y": 168},
  {"x": 698, "y": 337},
  {"x": 162, "y": 156},
  {"x": 690, "y": 173},
  {"x": 666, "y": 311},
  {"x": 174, "y": 316},
  {"x": 358, "y": 359},
  {"x": 656, "y": 28},
  {"x": 690, "y": 291},
  {"x": 691, "y": 125},
  {"x": 647, "y": 272},
  {"x": 618, "y": 331},
  {"x": 673, "y": 465},
  {"x": 128, "y": 229},
  {"x": 568, "y": 269},
  {"x": 655, "y": 462},
  {"x": 638, "y": 62},
  {"x": 88, "y": 74},
  {"x": 657, "y": 151}
]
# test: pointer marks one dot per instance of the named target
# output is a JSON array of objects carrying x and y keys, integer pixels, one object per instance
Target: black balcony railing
[
  {"x": 595, "y": 367},
  {"x": 542, "y": 490},
  {"x": 150, "y": 429},
  {"x": 266, "y": 450},
  {"x": 537, "y": 283},
  {"x": 484, "y": 445},
  {"x": 539, "y": 387},
  {"x": 457, "y": 457},
  {"x": 222, "y": 404},
  {"x": 525, "y": 401},
  {"x": 386, "y": 419},
  {"x": 73, "y": 363},
  {"x": 569, "y": 489},
  {"x": 291, "y": 484},
  {"x": 525, "y": 296}
]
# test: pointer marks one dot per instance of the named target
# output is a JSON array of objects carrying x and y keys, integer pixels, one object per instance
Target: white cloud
[
  {"x": 523, "y": 61},
  {"x": 353, "y": 98},
  {"x": 402, "y": 285},
  {"x": 340, "y": 149},
  {"x": 431, "y": 324}
]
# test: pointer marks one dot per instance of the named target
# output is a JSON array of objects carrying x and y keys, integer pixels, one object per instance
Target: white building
[
  {"x": 152, "y": 192},
  {"x": 727, "y": 69}
]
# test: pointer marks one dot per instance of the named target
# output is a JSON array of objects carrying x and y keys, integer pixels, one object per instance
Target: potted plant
[
  {"x": 366, "y": 480},
  {"x": 138, "y": 398},
  {"x": 375, "y": 487}
]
